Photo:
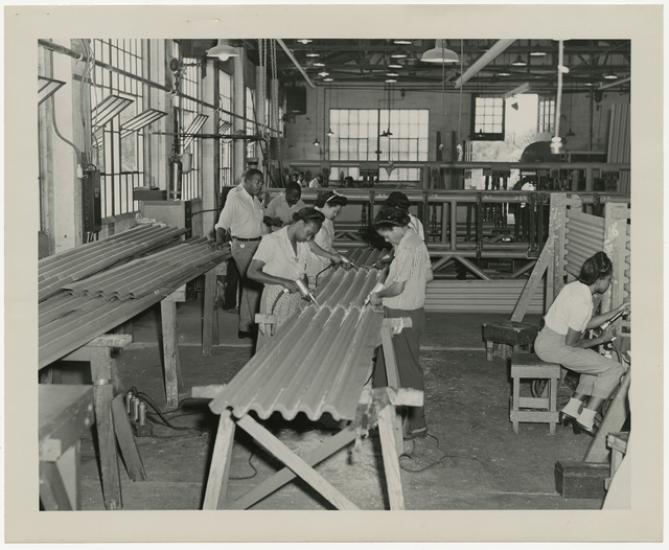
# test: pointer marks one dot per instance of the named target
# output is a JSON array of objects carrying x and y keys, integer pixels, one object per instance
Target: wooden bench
[
  {"x": 504, "y": 337},
  {"x": 65, "y": 411},
  {"x": 534, "y": 409}
]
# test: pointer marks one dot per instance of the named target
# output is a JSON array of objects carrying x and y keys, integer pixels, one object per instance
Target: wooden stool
[
  {"x": 505, "y": 337},
  {"x": 534, "y": 409},
  {"x": 617, "y": 442}
]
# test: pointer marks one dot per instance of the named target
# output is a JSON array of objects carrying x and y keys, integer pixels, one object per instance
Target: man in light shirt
[
  {"x": 241, "y": 220},
  {"x": 281, "y": 208}
]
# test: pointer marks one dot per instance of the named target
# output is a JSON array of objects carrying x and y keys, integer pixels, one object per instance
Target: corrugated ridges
[
  {"x": 85, "y": 260},
  {"x": 366, "y": 257},
  {"x": 584, "y": 237},
  {"x": 148, "y": 274},
  {"x": 318, "y": 364},
  {"x": 348, "y": 288}
]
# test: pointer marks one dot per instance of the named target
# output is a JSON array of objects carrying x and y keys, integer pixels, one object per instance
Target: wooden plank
[
  {"x": 286, "y": 475},
  {"x": 118, "y": 341},
  {"x": 391, "y": 465},
  {"x": 206, "y": 392},
  {"x": 534, "y": 280},
  {"x": 295, "y": 463},
  {"x": 68, "y": 467},
  {"x": 52, "y": 490},
  {"x": 219, "y": 471},
  {"x": 615, "y": 239},
  {"x": 209, "y": 310},
  {"x": 389, "y": 355},
  {"x": 102, "y": 365},
  {"x": 168, "y": 310},
  {"x": 612, "y": 422},
  {"x": 400, "y": 397},
  {"x": 126, "y": 440}
]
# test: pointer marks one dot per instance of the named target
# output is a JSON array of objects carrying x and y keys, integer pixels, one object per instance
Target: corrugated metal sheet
[
  {"x": 317, "y": 364},
  {"x": 148, "y": 274},
  {"x": 80, "y": 262},
  {"x": 366, "y": 257},
  {"x": 347, "y": 288},
  {"x": 476, "y": 296},
  {"x": 67, "y": 322},
  {"x": 584, "y": 237}
]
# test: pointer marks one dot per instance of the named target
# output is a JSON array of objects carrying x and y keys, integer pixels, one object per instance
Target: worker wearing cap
[
  {"x": 403, "y": 295},
  {"x": 241, "y": 220},
  {"x": 281, "y": 208},
  {"x": 281, "y": 260}
]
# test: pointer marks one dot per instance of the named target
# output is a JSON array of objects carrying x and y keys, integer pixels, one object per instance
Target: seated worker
[
  {"x": 281, "y": 208},
  {"x": 562, "y": 341},
  {"x": 397, "y": 199},
  {"x": 280, "y": 260},
  {"x": 329, "y": 203},
  {"x": 403, "y": 295}
]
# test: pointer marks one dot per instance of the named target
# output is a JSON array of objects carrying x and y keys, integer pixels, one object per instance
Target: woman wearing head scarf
[
  {"x": 403, "y": 295},
  {"x": 562, "y": 340},
  {"x": 328, "y": 203}
]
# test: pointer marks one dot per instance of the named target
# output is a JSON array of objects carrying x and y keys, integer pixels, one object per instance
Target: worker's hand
[
  {"x": 375, "y": 299},
  {"x": 609, "y": 334},
  {"x": 291, "y": 286},
  {"x": 226, "y": 249},
  {"x": 625, "y": 308},
  {"x": 344, "y": 261}
]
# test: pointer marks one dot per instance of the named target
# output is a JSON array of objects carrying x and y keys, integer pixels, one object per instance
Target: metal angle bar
[
  {"x": 194, "y": 127},
  {"x": 495, "y": 50},
  {"x": 111, "y": 106},
  {"x": 47, "y": 87},
  {"x": 140, "y": 121},
  {"x": 295, "y": 62}
]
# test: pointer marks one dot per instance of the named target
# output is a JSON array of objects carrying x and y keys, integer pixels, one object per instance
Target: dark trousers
[{"x": 231, "y": 286}]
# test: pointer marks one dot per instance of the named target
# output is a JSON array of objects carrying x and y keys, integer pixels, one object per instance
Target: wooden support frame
[
  {"x": 171, "y": 359},
  {"x": 383, "y": 400}
]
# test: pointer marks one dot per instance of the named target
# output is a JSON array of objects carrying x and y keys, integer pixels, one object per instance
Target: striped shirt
[{"x": 411, "y": 266}]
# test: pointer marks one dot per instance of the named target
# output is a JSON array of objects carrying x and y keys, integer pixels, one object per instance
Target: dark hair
[
  {"x": 309, "y": 214},
  {"x": 390, "y": 216},
  {"x": 595, "y": 267},
  {"x": 398, "y": 200},
  {"x": 330, "y": 198},
  {"x": 252, "y": 172},
  {"x": 295, "y": 187}
]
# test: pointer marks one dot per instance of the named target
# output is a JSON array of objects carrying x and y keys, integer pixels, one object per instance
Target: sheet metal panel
[
  {"x": 319, "y": 364},
  {"x": 584, "y": 237},
  {"x": 348, "y": 288}
]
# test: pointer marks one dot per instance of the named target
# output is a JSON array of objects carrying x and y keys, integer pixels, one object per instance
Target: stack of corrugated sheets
[{"x": 318, "y": 362}]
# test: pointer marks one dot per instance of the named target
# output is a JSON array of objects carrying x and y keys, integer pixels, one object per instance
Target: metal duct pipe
[
  {"x": 496, "y": 49},
  {"x": 295, "y": 62},
  {"x": 613, "y": 84}
]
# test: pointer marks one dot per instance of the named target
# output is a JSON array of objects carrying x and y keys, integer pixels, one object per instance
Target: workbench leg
[
  {"x": 52, "y": 490},
  {"x": 168, "y": 310},
  {"x": 102, "y": 365},
  {"x": 126, "y": 440},
  {"x": 391, "y": 465},
  {"x": 209, "y": 312},
  {"x": 219, "y": 471},
  {"x": 68, "y": 466},
  {"x": 612, "y": 422},
  {"x": 398, "y": 430},
  {"x": 296, "y": 464}
]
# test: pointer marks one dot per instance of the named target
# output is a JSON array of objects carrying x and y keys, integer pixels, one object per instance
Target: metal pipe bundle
[{"x": 80, "y": 262}]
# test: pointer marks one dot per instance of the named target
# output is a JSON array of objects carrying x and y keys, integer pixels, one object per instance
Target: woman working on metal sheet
[
  {"x": 328, "y": 203},
  {"x": 280, "y": 261},
  {"x": 403, "y": 295},
  {"x": 562, "y": 341}
]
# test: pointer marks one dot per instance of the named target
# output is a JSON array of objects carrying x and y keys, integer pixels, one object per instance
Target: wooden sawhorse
[
  {"x": 111, "y": 420},
  {"x": 64, "y": 412},
  {"x": 376, "y": 407}
]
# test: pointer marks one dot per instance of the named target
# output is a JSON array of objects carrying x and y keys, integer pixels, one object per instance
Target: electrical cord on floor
[
  {"x": 436, "y": 462},
  {"x": 160, "y": 416}
]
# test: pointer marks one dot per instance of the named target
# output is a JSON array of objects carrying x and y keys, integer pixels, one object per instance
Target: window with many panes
[
  {"x": 117, "y": 154},
  {"x": 191, "y": 182},
  {"x": 488, "y": 119},
  {"x": 546, "y": 115},
  {"x": 360, "y": 134},
  {"x": 250, "y": 123},
  {"x": 225, "y": 126}
]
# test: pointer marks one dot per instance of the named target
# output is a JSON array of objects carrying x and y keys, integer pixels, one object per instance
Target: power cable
[{"x": 443, "y": 457}]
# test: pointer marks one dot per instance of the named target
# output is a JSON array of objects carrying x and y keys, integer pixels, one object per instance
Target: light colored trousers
[
  {"x": 242, "y": 254},
  {"x": 599, "y": 375}
]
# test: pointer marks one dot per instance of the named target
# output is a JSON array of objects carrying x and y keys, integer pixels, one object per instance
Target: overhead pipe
[
  {"x": 614, "y": 84},
  {"x": 496, "y": 49},
  {"x": 295, "y": 62}
]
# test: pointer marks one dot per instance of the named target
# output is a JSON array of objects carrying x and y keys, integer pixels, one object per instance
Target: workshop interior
[{"x": 319, "y": 274}]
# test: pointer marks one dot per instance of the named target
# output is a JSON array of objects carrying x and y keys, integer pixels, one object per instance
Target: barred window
[
  {"x": 191, "y": 107},
  {"x": 488, "y": 119},
  {"x": 546, "y": 115},
  {"x": 225, "y": 126}
]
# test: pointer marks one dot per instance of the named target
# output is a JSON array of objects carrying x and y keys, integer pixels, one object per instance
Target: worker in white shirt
[
  {"x": 241, "y": 221},
  {"x": 328, "y": 203},
  {"x": 397, "y": 199},
  {"x": 280, "y": 210}
]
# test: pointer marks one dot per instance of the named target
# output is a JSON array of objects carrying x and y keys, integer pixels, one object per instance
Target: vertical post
[
  {"x": 615, "y": 237},
  {"x": 239, "y": 124},
  {"x": 209, "y": 311},
  {"x": 102, "y": 366},
  {"x": 210, "y": 149},
  {"x": 172, "y": 368},
  {"x": 219, "y": 470},
  {"x": 391, "y": 465},
  {"x": 261, "y": 94},
  {"x": 453, "y": 212}
]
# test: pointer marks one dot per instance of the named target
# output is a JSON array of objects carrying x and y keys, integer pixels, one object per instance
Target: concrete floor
[{"x": 479, "y": 463}]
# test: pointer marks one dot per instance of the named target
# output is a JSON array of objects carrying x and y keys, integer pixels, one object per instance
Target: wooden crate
[{"x": 574, "y": 479}]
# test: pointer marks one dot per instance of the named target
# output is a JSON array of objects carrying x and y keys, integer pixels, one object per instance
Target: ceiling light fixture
[
  {"x": 398, "y": 55},
  {"x": 439, "y": 54},
  {"x": 317, "y": 143},
  {"x": 395, "y": 66},
  {"x": 402, "y": 42},
  {"x": 610, "y": 76},
  {"x": 305, "y": 41},
  {"x": 324, "y": 74},
  {"x": 392, "y": 75},
  {"x": 318, "y": 64},
  {"x": 503, "y": 74},
  {"x": 222, "y": 51},
  {"x": 519, "y": 62},
  {"x": 330, "y": 132},
  {"x": 313, "y": 54},
  {"x": 390, "y": 80},
  {"x": 537, "y": 54},
  {"x": 328, "y": 79}
]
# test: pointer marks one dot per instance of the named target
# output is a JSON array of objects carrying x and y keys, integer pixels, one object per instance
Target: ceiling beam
[
  {"x": 482, "y": 61},
  {"x": 295, "y": 62}
]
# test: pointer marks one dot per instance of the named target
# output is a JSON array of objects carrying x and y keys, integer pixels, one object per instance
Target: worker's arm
[
  {"x": 599, "y": 320},
  {"x": 222, "y": 227},
  {"x": 256, "y": 273},
  {"x": 576, "y": 339},
  {"x": 389, "y": 291},
  {"x": 334, "y": 257}
]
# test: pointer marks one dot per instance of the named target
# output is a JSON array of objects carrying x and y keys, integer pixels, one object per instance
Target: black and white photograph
[{"x": 286, "y": 271}]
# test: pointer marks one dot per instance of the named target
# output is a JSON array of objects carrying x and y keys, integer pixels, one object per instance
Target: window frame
[{"x": 487, "y": 136}]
